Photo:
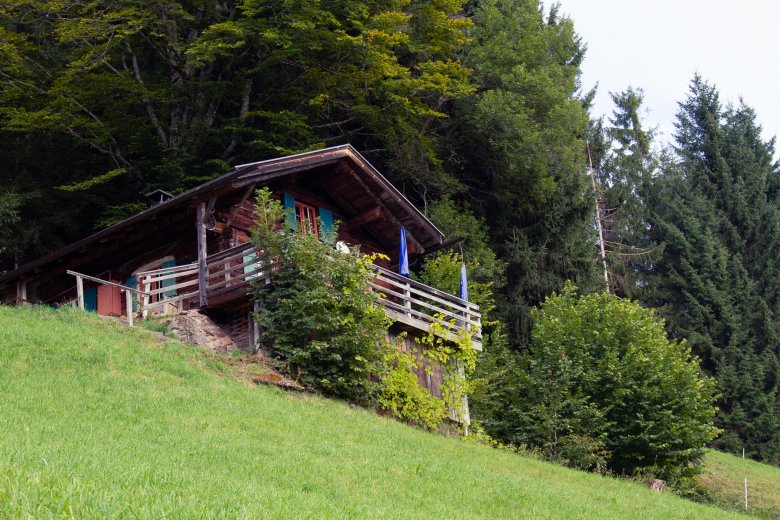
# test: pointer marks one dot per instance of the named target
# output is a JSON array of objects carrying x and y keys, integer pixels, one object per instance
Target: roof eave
[{"x": 280, "y": 164}]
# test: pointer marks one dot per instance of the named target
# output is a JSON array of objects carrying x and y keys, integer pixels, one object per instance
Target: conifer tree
[
  {"x": 623, "y": 164},
  {"x": 716, "y": 211}
]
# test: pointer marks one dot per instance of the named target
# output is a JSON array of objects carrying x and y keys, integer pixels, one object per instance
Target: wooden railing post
[
  {"x": 80, "y": 277},
  {"x": 21, "y": 292},
  {"x": 146, "y": 286},
  {"x": 200, "y": 221},
  {"x": 80, "y": 291},
  {"x": 408, "y": 299},
  {"x": 129, "y": 303}
]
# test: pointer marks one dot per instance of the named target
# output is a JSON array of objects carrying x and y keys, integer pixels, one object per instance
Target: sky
[{"x": 658, "y": 45}]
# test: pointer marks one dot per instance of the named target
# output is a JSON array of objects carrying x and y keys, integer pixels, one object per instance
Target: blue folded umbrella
[
  {"x": 403, "y": 264},
  {"x": 464, "y": 283}
]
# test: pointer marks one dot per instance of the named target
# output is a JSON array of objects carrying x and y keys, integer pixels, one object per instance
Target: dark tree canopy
[
  {"x": 101, "y": 103},
  {"x": 517, "y": 145}
]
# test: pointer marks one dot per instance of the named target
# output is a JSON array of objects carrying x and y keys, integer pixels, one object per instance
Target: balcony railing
[
  {"x": 230, "y": 274},
  {"x": 418, "y": 305},
  {"x": 181, "y": 284}
]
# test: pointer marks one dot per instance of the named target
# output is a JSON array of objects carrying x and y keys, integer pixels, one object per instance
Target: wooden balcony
[
  {"x": 229, "y": 275},
  {"x": 418, "y": 306}
]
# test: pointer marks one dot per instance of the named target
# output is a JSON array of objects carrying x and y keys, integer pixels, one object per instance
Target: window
[
  {"x": 306, "y": 216},
  {"x": 308, "y": 219}
]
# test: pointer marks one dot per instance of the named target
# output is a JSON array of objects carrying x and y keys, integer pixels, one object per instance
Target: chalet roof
[{"x": 403, "y": 211}]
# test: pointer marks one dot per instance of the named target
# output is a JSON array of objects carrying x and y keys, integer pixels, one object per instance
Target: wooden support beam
[
  {"x": 363, "y": 219},
  {"x": 237, "y": 207},
  {"x": 255, "y": 327},
  {"x": 129, "y": 303},
  {"x": 212, "y": 203},
  {"x": 266, "y": 177},
  {"x": 200, "y": 226},
  {"x": 79, "y": 276},
  {"x": 80, "y": 291},
  {"x": 146, "y": 285},
  {"x": 341, "y": 200},
  {"x": 408, "y": 300},
  {"x": 21, "y": 292},
  {"x": 378, "y": 201}
]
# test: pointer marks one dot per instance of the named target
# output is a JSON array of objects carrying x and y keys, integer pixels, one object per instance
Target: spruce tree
[
  {"x": 623, "y": 164},
  {"x": 715, "y": 210}
]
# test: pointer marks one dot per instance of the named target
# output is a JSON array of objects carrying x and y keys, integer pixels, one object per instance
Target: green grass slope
[
  {"x": 724, "y": 478},
  {"x": 100, "y": 421}
]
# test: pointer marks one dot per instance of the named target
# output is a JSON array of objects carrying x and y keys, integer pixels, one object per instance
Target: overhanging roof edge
[{"x": 279, "y": 163}]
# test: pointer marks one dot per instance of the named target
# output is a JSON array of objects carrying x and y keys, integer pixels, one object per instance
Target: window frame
[{"x": 306, "y": 217}]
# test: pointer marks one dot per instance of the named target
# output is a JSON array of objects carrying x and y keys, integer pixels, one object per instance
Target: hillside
[
  {"x": 101, "y": 421},
  {"x": 724, "y": 476}
]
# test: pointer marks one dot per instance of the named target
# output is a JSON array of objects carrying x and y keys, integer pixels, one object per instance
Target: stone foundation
[{"x": 199, "y": 329}]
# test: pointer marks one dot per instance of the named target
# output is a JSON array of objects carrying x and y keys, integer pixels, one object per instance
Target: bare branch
[
  {"x": 147, "y": 102},
  {"x": 246, "y": 92}
]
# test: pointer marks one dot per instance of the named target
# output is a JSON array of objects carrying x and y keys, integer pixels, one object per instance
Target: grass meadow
[
  {"x": 101, "y": 421},
  {"x": 724, "y": 479}
]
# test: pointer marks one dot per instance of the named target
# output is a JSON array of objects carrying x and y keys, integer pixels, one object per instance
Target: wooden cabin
[{"x": 192, "y": 251}]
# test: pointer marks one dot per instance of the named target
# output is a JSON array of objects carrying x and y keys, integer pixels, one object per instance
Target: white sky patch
[{"x": 658, "y": 45}]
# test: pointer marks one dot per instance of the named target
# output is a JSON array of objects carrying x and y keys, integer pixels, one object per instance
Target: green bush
[
  {"x": 442, "y": 270},
  {"x": 325, "y": 328},
  {"x": 401, "y": 393},
  {"x": 321, "y": 318},
  {"x": 602, "y": 386},
  {"x": 457, "y": 357}
]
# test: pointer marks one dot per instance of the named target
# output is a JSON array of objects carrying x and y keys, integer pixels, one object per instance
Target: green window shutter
[
  {"x": 169, "y": 281},
  {"x": 251, "y": 267},
  {"x": 90, "y": 299},
  {"x": 326, "y": 225},
  {"x": 132, "y": 282},
  {"x": 288, "y": 201}
]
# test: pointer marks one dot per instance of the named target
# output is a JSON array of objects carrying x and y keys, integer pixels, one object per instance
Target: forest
[{"x": 474, "y": 110}]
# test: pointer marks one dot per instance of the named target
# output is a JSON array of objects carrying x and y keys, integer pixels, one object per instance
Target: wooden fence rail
[
  {"x": 80, "y": 277},
  {"x": 181, "y": 284},
  {"x": 230, "y": 274},
  {"x": 419, "y": 305},
  {"x": 232, "y": 271}
]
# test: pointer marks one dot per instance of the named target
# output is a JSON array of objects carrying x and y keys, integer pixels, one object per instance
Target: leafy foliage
[
  {"x": 603, "y": 387},
  {"x": 401, "y": 393},
  {"x": 115, "y": 100},
  {"x": 9, "y": 218},
  {"x": 442, "y": 270},
  {"x": 517, "y": 146},
  {"x": 321, "y": 317},
  {"x": 327, "y": 330},
  {"x": 403, "y": 397},
  {"x": 457, "y": 357}
]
